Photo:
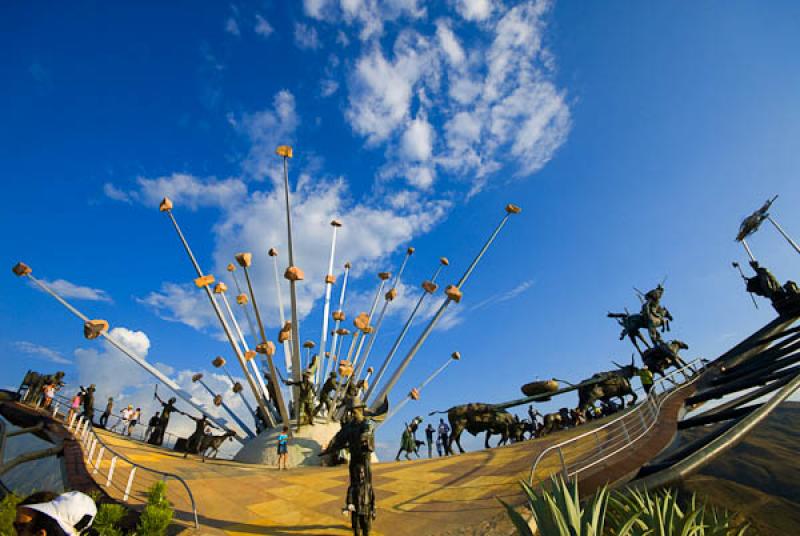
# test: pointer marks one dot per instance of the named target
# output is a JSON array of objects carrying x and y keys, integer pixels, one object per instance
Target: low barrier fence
[
  {"x": 587, "y": 452},
  {"x": 117, "y": 474}
]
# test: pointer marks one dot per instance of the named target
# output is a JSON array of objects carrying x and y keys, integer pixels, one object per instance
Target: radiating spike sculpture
[
  {"x": 338, "y": 317},
  {"x": 341, "y": 388},
  {"x": 242, "y": 302},
  {"x": 198, "y": 378},
  {"x": 383, "y": 276},
  {"x": 429, "y": 287},
  {"x": 267, "y": 348},
  {"x": 287, "y": 350},
  {"x": 219, "y": 362},
  {"x": 454, "y": 294},
  {"x": 205, "y": 281},
  {"x": 330, "y": 279},
  {"x": 93, "y": 329},
  {"x": 783, "y": 234},
  {"x": 388, "y": 298},
  {"x": 293, "y": 274},
  {"x": 249, "y": 354},
  {"x": 415, "y": 392}
]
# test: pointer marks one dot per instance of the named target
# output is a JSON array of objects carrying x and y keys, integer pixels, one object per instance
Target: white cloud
[
  {"x": 449, "y": 43},
  {"x": 41, "y": 352},
  {"x": 316, "y": 8},
  {"x": 266, "y": 130},
  {"x": 188, "y": 191},
  {"x": 306, "y": 37},
  {"x": 262, "y": 26},
  {"x": 475, "y": 10},
  {"x": 417, "y": 141},
  {"x": 70, "y": 290},
  {"x": 181, "y": 303},
  {"x": 505, "y": 296},
  {"x": 232, "y": 27},
  {"x": 329, "y": 87},
  {"x": 112, "y": 192}
]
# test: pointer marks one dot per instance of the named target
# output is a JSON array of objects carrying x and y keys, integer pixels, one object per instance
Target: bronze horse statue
[{"x": 604, "y": 386}]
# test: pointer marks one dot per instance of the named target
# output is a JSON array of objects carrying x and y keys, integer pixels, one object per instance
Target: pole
[
  {"x": 184, "y": 395},
  {"x": 453, "y": 294},
  {"x": 455, "y": 356},
  {"x": 383, "y": 277},
  {"x": 338, "y": 316},
  {"x": 166, "y": 206},
  {"x": 784, "y": 235},
  {"x": 231, "y": 268},
  {"x": 225, "y": 406},
  {"x": 747, "y": 249},
  {"x": 389, "y": 297},
  {"x": 329, "y": 281},
  {"x": 287, "y": 351},
  {"x": 272, "y": 372}
]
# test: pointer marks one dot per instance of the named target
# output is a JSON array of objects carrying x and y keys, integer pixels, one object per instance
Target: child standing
[{"x": 283, "y": 448}]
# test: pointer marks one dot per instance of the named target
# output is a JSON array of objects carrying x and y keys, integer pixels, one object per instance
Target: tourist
[
  {"x": 134, "y": 420},
  {"x": 439, "y": 446},
  {"x": 49, "y": 392},
  {"x": 429, "y": 431},
  {"x": 151, "y": 426},
  {"x": 127, "y": 415},
  {"x": 283, "y": 449},
  {"x": 444, "y": 432},
  {"x": 74, "y": 406},
  {"x": 646, "y": 377},
  {"x": 407, "y": 444},
  {"x": 107, "y": 413},
  {"x": 68, "y": 514}
]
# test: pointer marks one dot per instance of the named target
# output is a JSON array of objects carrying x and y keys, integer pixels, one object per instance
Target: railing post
[
  {"x": 55, "y": 409},
  {"x": 563, "y": 465},
  {"x": 99, "y": 458},
  {"x": 625, "y": 431},
  {"x": 640, "y": 411},
  {"x": 111, "y": 471},
  {"x": 92, "y": 445},
  {"x": 599, "y": 443},
  {"x": 129, "y": 484},
  {"x": 69, "y": 424}
]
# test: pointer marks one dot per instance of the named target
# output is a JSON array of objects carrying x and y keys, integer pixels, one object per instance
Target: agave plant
[{"x": 560, "y": 512}]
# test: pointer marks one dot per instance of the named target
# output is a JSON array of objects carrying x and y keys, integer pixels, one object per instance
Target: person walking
[
  {"x": 429, "y": 431},
  {"x": 127, "y": 415},
  {"x": 74, "y": 406},
  {"x": 107, "y": 413},
  {"x": 283, "y": 448},
  {"x": 49, "y": 393},
  {"x": 646, "y": 377},
  {"x": 134, "y": 420},
  {"x": 439, "y": 445},
  {"x": 444, "y": 433}
]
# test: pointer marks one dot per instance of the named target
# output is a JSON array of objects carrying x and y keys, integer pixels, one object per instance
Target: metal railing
[
  {"x": 591, "y": 448},
  {"x": 119, "y": 476}
]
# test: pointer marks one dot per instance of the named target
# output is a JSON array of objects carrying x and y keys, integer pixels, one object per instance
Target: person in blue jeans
[{"x": 283, "y": 448}]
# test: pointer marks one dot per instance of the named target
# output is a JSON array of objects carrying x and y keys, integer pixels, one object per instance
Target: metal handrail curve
[{"x": 658, "y": 401}]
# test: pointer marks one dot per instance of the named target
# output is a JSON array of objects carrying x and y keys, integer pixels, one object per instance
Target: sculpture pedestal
[{"x": 304, "y": 445}]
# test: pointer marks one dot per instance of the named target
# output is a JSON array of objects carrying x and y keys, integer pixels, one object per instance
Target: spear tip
[
  {"x": 284, "y": 151},
  {"x": 165, "y": 205},
  {"x": 513, "y": 209},
  {"x": 21, "y": 269}
]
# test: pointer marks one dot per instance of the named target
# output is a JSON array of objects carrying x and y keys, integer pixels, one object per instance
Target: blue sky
[{"x": 635, "y": 135}]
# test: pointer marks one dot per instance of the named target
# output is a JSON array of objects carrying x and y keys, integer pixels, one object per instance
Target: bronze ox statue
[
  {"x": 604, "y": 386},
  {"x": 476, "y": 418},
  {"x": 663, "y": 356}
]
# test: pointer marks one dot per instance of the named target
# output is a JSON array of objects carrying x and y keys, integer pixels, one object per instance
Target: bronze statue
[
  {"x": 653, "y": 315},
  {"x": 157, "y": 437},
  {"x": 663, "y": 356},
  {"x": 476, "y": 418},
  {"x": 751, "y": 223},
  {"x": 326, "y": 393},
  {"x": 358, "y": 437},
  {"x": 763, "y": 283},
  {"x": 36, "y": 382},
  {"x": 604, "y": 386},
  {"x": 306, "y": 397},
  {"x": 194, "y": 441}
]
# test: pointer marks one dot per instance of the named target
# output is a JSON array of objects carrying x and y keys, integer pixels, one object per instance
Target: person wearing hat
[
  {"x": 646, "y": 377},
  {"x": 107, "y": 413},
  {"x": 69, "y": 514}
]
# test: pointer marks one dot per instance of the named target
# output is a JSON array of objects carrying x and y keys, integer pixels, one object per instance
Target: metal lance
[
  {"x": 287, "y": 350},
  {"x": 199, "y": 379},
  {"x": 232, "y": 269},
  {"x": 388, "y": 298},
  {"x": 329, "y": 281},
  {"x": 99, "y": 328},
  {"x": 784, "y": 235},
  {"x": 243, "y": 261},
  {"x": 248, "y": 354},
  {"x": 747, "y": 249},
  {"x": 383, "y": 277},
  {"x": 338, "y": 319},
  {"x": 339, "y": 387},
  {"x": 285, "y": 152},
  {"x": 205, "y": 282},
  {"x": 414, "y": 393},
  {"x": 453, "y": 293},
  {"x": 219, "y": 362},
  {"x": 429, "y": 287}
]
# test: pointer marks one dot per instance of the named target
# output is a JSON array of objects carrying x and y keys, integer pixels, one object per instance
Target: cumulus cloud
[
  {"x": 68, "y": 289},
  {"x": 498, "y": 104},
  {"x": 41, "y": 352}
]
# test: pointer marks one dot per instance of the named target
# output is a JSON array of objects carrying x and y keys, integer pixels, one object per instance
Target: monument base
[{"x": 303, "y": 449}]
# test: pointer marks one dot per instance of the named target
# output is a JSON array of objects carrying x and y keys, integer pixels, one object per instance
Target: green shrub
[
  {"x": 8, "y": 512},
  {"x": 106, "y": 523},
  {"x": 157, "y": 515},
  {"x": 560, "y": 512}
]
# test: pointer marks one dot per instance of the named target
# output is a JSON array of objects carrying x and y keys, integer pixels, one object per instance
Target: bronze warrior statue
[
  {"x": 326, "y": 394},
  {"x": 358, "y": 437},
  {"x": 306, "y": 398}
]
